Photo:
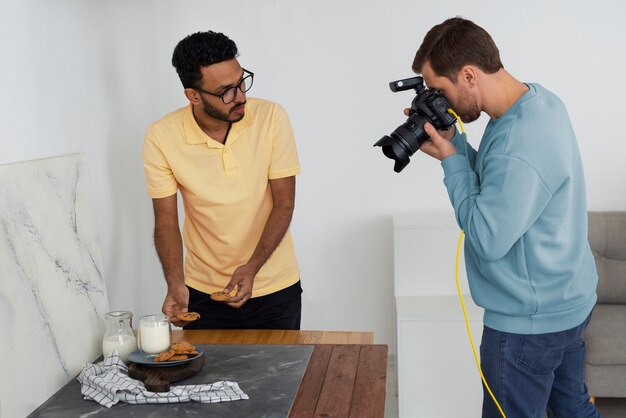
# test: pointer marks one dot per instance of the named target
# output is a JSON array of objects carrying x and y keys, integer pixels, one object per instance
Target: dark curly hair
[{"x": 199, "y": 50}]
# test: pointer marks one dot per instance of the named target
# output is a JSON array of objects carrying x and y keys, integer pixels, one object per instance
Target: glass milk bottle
[{"x": 119, "y": 334}]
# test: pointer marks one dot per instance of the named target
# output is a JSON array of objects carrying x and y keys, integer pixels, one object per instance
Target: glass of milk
[
  {"x": 119, "y": 334},
  {"x": 155, "y": 334}
]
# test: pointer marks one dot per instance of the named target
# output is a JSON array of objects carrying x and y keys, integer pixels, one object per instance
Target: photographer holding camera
[{"x": 521, "y": 201}]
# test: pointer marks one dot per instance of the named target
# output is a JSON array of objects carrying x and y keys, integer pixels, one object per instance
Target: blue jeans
[{"x": 534, "y": 374}]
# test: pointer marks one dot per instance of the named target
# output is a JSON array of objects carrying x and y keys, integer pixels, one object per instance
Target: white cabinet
[{"x": 437, "y": 374}]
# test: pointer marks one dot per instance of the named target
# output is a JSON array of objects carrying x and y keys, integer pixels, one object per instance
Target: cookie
[
  {"x": 220, "y": 296},
  {"x": 165, "y": 356},
  {"x": 188, "y": 316},
  {"x": 181, "y": 350},
  {"x": 183, "y": 346}
]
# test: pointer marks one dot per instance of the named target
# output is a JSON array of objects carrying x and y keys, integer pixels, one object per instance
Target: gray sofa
[{"x": 605, "y": 364}]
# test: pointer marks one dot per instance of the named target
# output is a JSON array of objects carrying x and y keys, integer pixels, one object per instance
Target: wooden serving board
[{"x": 158, "y": 379}]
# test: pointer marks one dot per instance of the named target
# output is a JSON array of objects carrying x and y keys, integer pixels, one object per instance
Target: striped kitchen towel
[{"x": 108, "y": 383}]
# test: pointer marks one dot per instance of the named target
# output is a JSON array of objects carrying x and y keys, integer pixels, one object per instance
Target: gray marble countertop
[{"x": 269, "y": 374}]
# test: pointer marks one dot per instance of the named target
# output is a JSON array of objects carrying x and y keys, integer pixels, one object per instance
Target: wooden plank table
[{"x": 346, "y": 375}]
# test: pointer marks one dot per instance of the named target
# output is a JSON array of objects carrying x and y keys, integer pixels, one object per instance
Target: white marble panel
[{"x": 52, "y": 293}]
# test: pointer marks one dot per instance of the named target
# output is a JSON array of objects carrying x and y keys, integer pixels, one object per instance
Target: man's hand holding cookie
[
  {"x": 243, "y": 280},
  {"x": 175, "y": 302}
]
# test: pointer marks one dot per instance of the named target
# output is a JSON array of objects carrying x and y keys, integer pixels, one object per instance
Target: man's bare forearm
[
  {"x": 169, "y": 246},
  {"x": 284, "y": 196},
  {"x": 274, "y": 231}
]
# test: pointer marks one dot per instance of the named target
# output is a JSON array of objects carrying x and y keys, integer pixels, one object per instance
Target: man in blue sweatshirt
[{"x": 521, "y": 201}]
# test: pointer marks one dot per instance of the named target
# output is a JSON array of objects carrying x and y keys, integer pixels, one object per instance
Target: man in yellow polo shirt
[{"x": 234, "y": 161}]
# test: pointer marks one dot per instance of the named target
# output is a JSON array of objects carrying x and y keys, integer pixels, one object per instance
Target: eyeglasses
[{"x": 230, "y": 93}]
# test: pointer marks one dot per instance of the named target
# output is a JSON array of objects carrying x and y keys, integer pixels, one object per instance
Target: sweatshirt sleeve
[
  {"x": 459, "y": 140},
  {"x": 495, "y": 213}
]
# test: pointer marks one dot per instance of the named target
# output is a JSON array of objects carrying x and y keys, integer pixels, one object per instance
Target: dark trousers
[
  {"x": 530, "y": 374},
  {"x": 278, "y": 310}
]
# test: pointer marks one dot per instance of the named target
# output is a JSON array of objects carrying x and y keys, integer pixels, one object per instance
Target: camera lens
[
  {"x": 404, "y": 141},
  {"x": 396, "y": 149}
]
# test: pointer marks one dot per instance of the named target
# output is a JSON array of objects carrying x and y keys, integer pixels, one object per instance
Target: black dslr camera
[{"x": 427, "y": 106}]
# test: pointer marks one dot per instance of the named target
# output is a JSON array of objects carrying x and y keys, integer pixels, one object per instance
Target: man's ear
[
  {"x": 193, "y": 96},
  {"x": 468, "y": 75}
]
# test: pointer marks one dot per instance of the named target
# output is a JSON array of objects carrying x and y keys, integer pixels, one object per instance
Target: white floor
[{"x": 391, "y": 399}]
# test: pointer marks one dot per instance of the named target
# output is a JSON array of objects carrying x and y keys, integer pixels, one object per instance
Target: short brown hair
[{"x": 454, "y": 43}]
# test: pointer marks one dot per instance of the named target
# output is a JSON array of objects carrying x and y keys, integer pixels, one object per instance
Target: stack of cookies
[{"x": 178, "y": 351}]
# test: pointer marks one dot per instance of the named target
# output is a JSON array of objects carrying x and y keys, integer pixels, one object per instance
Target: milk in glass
[{"x": 154, "y": 334}]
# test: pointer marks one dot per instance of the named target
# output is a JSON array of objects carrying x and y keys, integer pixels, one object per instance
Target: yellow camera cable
[{"x": 458, "y": 288}]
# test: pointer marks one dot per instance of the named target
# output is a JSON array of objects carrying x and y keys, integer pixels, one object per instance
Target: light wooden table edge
[{"x": 272, "y": 337}]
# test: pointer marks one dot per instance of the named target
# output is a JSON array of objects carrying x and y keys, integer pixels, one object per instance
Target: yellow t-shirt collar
[{"x": 195, "y": 135}]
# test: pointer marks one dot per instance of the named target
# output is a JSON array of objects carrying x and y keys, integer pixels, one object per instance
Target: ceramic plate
[{"x": 141, "y": 358}]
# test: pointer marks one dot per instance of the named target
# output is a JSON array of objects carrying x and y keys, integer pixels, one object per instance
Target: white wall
[{"x": 88, "y": 76}]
